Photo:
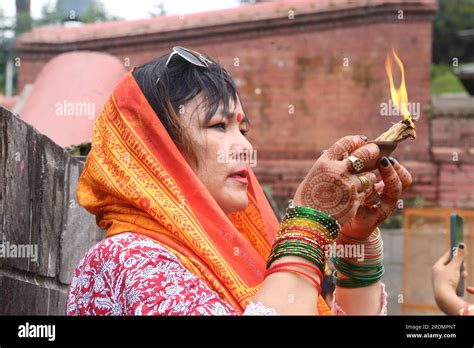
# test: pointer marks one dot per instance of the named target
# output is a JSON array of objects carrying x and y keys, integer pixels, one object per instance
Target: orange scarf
[{"x": 135, "y": 179}]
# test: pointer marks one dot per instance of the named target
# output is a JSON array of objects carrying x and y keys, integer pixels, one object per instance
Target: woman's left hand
[
  {"x": 386, "y": 194},
  {"x": 445, "y": 276}
]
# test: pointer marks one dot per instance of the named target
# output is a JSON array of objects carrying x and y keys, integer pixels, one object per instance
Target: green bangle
[
  {"x": 356, "y": 266},
  {"x": 353, "y": 283},
  {"x": 317, "y": 213},
  {"x": 291, "y": 246},
  {"x": 297, "y": 248},
  {"x": 364, "y": 277},
  {"x": 357, "y": 271},
  {"x": 301, "y": 211}
]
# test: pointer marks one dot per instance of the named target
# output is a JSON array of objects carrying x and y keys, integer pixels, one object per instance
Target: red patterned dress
[{"x": 130, "y": 274}]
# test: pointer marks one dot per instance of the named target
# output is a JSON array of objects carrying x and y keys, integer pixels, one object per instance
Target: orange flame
[{"x": 399, "y": 95}]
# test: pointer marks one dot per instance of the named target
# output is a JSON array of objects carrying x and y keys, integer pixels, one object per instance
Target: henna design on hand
[
  {"x": 338, "y": 151},
  {"x": 330, "y": 191},
  {"x": 341, "y": 149},
  {"x": 382, "y": 214},
  {"x": 372, "y": 197},
  {"x": 390, "y": 190},
  {"x": 404, "y": 175},
  {"x": 367, "y": 152}
]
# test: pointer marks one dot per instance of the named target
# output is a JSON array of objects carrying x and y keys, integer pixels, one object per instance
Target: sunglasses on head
[{"x": 191, "y": 56}]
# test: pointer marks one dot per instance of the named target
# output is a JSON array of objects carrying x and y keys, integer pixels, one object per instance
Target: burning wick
[{"x": 405, "y": 128}]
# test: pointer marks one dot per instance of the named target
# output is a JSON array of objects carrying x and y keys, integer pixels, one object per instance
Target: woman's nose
[{"x": 243, "y": 149}]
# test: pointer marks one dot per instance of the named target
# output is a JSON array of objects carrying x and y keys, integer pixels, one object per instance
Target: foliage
[
  {"x": 443, "y": 80},
  {"x": 6, "y": 45},
  {"x": 23, "y": 22},
  {"x": 454, "y": 19},
  {"x": 82, "y": 149},
  {"x": 60, "y": 13}
]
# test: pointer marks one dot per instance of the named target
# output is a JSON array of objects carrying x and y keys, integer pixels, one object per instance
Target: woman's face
[{"x": 222, "y": 152}]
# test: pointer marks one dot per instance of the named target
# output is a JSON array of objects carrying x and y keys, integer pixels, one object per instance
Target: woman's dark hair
[{"x": 180, "y": 82}]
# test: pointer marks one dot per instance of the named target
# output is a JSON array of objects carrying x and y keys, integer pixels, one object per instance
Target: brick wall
[
  {"x": 298, "y": 64},
  {"x": 452, "y": 139},
  {"x": 296, "y": 91}
]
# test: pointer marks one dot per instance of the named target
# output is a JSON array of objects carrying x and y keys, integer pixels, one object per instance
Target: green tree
[
  {"x": 57, "y": 14},
  {"x": 453, "y": 34},
  {"x": 5, "y": 44},
  {"x": 23, "y": 16},
  {"x": 158, "y": 9},
  {"x": 61, "y": 13},
  {"x": 9, "y": 29}
]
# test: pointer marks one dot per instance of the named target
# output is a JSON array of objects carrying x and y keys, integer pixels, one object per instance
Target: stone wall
[{"x": 40, "y": 220}]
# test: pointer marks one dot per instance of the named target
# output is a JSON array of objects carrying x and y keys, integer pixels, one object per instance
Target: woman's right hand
[{"x": 331, "y": 185}]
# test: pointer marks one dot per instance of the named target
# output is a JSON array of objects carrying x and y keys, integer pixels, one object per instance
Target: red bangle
[
  {"x": 302, "y": 238},
  {"x": 319, "y": 236},
  {"x": 316, "y": 237},
  {"x": 313, "y": 280},
  {"x": 302, "y": 264}
]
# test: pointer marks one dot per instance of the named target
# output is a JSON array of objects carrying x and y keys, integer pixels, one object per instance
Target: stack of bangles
[
  {"x": 361, "y": 270},
  {"x": 303, "y": 232}
]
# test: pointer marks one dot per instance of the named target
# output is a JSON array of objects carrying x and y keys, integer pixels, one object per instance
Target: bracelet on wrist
[
  {"x": 304, "y": 232},
  {"x": 283, "y": 267},
  {"x": 360, "y": 271}
]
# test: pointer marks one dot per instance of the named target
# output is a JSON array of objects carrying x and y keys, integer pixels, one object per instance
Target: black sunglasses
[{"x": 191, "y": 56}]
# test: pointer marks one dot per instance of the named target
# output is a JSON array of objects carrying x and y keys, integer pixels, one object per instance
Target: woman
[
  {"x": 445, "y": 277},
  {"x": 189, "y": 231}
]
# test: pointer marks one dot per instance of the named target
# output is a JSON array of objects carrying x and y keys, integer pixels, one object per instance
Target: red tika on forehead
[{"x": 239, "y": 117}]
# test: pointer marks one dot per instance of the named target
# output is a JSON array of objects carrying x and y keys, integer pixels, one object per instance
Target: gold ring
[
  {"x": 357, "y": 163},
  {"x": 364, "y": 181},
  {"x": 377, "y": 205}
]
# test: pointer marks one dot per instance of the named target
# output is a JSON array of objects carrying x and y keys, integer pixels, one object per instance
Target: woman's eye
[
  {"x": 219, "y": 125},
  {"x": 222, "y": 126}
]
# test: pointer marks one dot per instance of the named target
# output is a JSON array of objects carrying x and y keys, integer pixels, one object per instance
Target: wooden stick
[{"x": 398, "y": 132}]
